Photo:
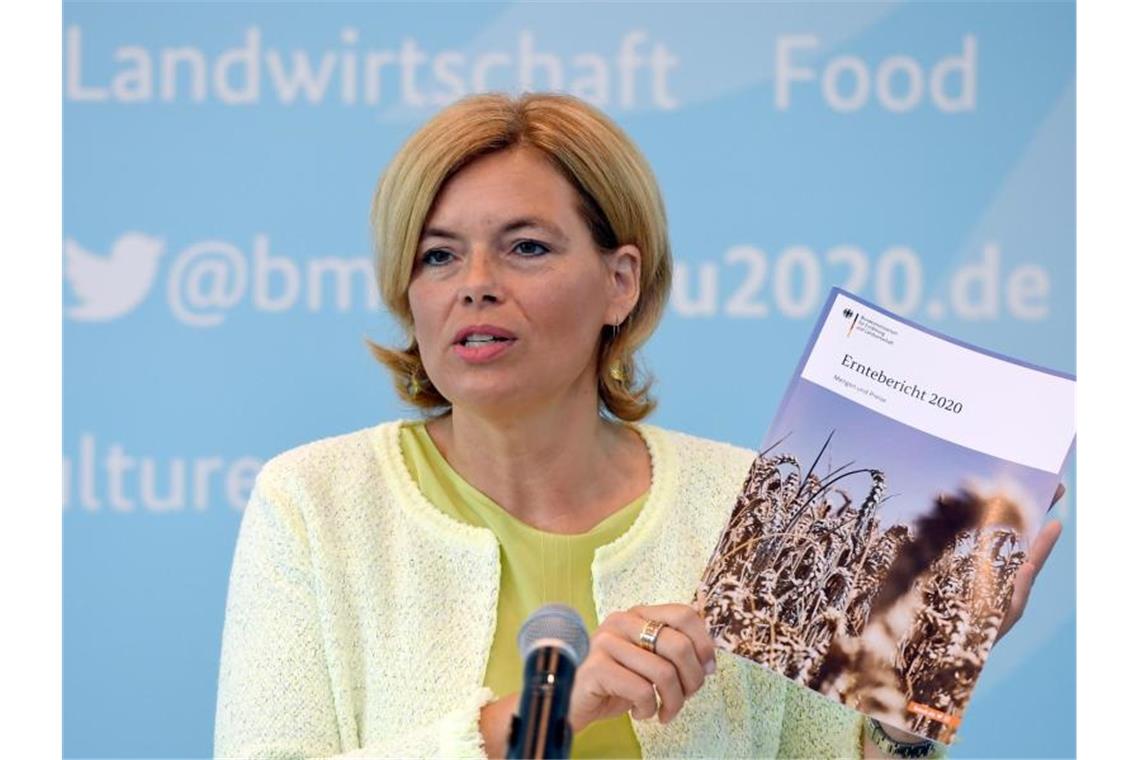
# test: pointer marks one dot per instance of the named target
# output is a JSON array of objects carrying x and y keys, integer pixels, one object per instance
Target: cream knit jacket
[{"x": 359, "y": 618}]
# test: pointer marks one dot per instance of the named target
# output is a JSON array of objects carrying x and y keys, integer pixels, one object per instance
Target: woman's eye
[
  {"x": 435, "y": 257},
  {"x": 531, "y": 248}
]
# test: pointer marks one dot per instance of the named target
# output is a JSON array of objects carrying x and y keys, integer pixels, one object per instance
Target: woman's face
[{"x": 509, "y": 294}]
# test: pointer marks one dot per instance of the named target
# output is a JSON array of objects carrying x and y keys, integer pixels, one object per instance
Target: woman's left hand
[{"x": 1027, "y": 573}]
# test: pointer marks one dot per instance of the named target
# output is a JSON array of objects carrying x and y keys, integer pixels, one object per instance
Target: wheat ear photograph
[{"x": 872, "y": 562}]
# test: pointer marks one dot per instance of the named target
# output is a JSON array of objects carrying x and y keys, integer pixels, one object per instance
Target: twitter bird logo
[{"x": 110, "y": 286}]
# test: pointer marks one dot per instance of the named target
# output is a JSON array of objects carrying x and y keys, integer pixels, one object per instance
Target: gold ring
[
  {"x": 656, "y": 697},
  {"x": 649, "y": 632}
]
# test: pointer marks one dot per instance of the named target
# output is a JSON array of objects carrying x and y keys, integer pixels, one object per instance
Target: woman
[{"x": 380, "y": 576}]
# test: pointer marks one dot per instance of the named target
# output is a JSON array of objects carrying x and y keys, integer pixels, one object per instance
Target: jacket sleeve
[
  {"x": 276, "y": 698},
  {"x": 815, "y": 726}
]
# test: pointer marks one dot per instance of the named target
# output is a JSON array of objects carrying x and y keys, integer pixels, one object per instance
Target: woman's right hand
[{"x": 619, "y": 676}]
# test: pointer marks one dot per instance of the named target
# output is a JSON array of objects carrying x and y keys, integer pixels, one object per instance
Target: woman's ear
[{"x": 625, "y": 279}]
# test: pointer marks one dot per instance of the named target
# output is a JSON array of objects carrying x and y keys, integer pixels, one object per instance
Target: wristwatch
[{"x": 896, "y": 748}]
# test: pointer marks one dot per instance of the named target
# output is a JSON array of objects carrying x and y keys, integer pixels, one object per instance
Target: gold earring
[
  {"x": 414, "y": 387},
  {"x": 617, "y": 371}
]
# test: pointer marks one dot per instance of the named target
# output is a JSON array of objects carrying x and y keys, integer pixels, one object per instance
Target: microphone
[{"x": 553, "y": 642}]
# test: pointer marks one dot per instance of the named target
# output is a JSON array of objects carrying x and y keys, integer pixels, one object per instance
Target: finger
[
  {"x": 626, "y": 685},
  {"x": 1020, "y": 597},
  {"x": 686, "y": 620},
  {"x": 672, "y": 645},
  {"x": 653, "y": 668},
  {"x": 1043, "y": 546},
  {"x": 678, "y": 649},
  {"x": 1026, "y": 574}
]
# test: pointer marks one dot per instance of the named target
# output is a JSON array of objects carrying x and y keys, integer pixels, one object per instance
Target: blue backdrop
[{"x": 219, "y": 162}]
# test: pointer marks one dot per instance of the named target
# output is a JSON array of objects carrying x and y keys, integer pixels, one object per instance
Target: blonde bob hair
[{"x": 619, "y": 201}]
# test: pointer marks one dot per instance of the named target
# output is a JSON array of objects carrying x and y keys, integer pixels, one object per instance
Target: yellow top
[{"x": 536, "y": 568}]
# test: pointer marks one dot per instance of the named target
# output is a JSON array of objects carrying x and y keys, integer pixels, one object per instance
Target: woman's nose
[{"x": 480, "y": 279}]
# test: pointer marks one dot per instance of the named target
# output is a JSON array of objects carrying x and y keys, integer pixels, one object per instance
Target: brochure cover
[{"x": 871, "y": 553}]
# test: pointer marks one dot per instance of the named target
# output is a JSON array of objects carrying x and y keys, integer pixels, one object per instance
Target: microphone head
[{"x": 555, "y": 625}]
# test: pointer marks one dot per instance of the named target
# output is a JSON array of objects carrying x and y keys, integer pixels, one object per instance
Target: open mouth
[{"x": 481, "y": 340}]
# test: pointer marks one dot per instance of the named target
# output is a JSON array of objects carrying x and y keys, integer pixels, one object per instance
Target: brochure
[{"x": 872, "y": 549}]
